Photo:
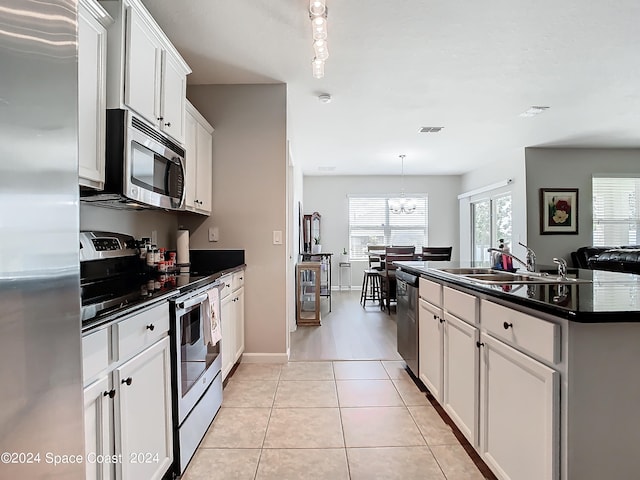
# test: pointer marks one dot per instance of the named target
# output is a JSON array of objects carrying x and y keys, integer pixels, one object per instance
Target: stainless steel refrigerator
[{"x": 41, "y": 407}]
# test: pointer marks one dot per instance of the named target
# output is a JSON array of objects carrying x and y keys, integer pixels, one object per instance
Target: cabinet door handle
[
  {"x": 127, "y": 380},
  {"x": 507, "y": 325},
  {"x": 479, "y": 344},
  {"x": 168, "y": 124},
  {"x": 241, "y": 278},
  {"x": 160, "y": 119},
  {"x": 435, "y": 317},
  {"x": 151, "y": 327},
  {"x": 110, "y": 393},
  {"x": 441, "y": 320},
  {"x": 228, "y": 285}
]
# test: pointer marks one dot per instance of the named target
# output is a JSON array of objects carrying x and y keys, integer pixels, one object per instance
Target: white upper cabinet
[
  {"x": 199, "y": 144},
  {"x": 146, "y": 73},
  {"x": 144, "y": 53},
  {"x": 93, "y": 21},
  {"x": 174, "y": 89},
  {"x": 190, "y": 159}
]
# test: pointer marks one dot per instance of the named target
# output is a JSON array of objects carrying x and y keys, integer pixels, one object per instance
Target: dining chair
[
  {"x": 388, "y": 279},
  {"x": 376, "y": 255},
  {"x": 431, "y": 254},
  {"x": 401, "y": 250}
]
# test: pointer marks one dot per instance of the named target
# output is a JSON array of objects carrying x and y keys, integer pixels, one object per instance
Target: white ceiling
[{"x": 395, "y": 66}]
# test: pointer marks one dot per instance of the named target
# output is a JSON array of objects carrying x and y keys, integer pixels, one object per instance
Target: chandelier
[
  {"x": 318, "y": 16},
  {"x": 402, "y": 204}
]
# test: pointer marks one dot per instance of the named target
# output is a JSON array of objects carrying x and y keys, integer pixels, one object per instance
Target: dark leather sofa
[{"x": 616, "y": 258}]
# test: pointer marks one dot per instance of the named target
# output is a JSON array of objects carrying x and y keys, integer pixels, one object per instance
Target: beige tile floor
[
  {"x": 328, "y": 420},
  {"x": 348, "y": 332}
]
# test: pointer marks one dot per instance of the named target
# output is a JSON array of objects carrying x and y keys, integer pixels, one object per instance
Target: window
[
  {"x": 372, "y": 223},
  {"x": 616, "y": 211},
  {"x": 491, "y": 221}
]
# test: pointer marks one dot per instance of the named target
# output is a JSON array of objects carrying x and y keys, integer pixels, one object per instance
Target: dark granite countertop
[
  {"x": 610, "y": 297},
  {"x": 184, "y": 282}
]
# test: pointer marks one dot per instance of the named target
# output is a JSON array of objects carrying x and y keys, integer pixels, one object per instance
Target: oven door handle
[{"x": 192, "y": 301}]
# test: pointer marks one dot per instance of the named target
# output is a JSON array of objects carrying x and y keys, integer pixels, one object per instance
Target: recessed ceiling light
[
  {"x": 430, "y": 129},
  {"x": 326, "y": 169},
  {"x": 534, "y": 110}
]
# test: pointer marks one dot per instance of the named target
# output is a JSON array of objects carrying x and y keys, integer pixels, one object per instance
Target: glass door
[{"x": 491, "y": 221}]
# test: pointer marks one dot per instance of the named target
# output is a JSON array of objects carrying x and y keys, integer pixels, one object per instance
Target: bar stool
[{"x": 370, "y": 287}]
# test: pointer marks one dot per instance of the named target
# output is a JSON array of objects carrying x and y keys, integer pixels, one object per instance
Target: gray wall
[
  {"x": 327, "y": 195},
  {"x": 249, "y": 200},
  {"x": 569, "y": 168}
]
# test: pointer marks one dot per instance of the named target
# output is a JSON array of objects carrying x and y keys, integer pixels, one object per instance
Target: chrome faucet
[
  {"x": 509, "y": 254},
  {"x": 562, "y": 267},
  {"x": 531, "y": 258}
]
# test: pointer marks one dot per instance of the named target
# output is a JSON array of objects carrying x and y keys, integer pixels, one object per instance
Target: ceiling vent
[{"x": 430, "y": 129}]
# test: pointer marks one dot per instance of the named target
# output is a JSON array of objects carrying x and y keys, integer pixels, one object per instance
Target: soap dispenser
[
  {"x": 507, "y": 262},
  {"x": 496, "y": 258}
]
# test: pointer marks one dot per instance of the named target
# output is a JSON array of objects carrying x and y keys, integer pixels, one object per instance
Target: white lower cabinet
[
  {"x": 239, "y": 318},
  {"x": 430, "y": 347},
  {"x": 232, "y": 322},
  {"x": 490, "y": 368},
  {"x": 127, "y": 398},
  {"x": 228, "y": 325},
  {"x": 143, "y": 413},
  {"x": 97, "y": 429},
  {"x": 461, "y": 375},
  {"x": 519, "y": 412}
]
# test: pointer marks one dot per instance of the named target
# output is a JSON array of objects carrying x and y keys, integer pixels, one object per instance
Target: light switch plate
[{"x": 277, "y": 237}]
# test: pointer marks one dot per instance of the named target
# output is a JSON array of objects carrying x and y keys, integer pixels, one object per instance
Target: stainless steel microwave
[{"x": 143, "y": 167}]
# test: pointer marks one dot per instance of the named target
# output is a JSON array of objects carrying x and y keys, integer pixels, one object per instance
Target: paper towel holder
[{"x": 183, "y": 260}]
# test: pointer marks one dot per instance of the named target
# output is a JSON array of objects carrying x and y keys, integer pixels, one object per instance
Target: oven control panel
[
  {"x": 99, "y": 245},
  {"x": 104, "y": 244}
]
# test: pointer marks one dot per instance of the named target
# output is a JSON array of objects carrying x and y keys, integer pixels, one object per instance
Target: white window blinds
[
  {"x": 616, "y": 212},
  {"x": 372, "y": 223}
]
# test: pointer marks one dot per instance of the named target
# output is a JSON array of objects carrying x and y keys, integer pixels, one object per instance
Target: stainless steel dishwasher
[{"x": 407, "y": 327}]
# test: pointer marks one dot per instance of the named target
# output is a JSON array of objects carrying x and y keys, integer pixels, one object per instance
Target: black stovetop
[{"x": 115, "y": 286}]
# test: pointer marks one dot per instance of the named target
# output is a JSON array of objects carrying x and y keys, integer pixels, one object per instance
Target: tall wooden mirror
[{"x": 310, "y": 230}]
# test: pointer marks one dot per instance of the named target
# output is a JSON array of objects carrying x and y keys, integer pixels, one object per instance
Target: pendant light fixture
[
  {"x": 402, "y": 204},
  {"x": 318, "y": 16}
]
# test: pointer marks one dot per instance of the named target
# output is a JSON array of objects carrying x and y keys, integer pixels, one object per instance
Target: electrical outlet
[
  {"x": 213, "y": 234},
  {"x": 154, "y": 237}
]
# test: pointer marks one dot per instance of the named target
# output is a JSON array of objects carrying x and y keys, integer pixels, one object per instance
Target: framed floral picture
[{"x": 558, "y": 211}]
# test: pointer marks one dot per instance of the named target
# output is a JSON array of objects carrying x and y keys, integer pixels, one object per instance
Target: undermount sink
[
  {"x": 469, "y": 271},
  {"x": 490, "y": 276}
]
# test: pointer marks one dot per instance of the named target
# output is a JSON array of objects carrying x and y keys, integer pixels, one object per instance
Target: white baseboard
[{"x": 265, "y": 357}]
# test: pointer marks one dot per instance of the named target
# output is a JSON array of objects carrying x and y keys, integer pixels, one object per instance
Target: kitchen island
[{"x": 538, "y": 377}]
